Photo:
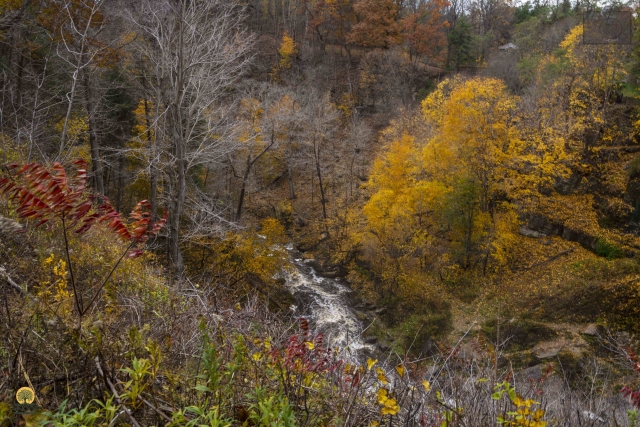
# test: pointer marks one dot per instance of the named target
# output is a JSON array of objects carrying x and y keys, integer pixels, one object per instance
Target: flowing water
[{"x": 326, "y": 303}]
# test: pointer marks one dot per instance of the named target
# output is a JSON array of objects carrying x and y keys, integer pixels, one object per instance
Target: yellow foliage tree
[
  {"x": 286, "y": 52},
  {"x": 577, "y": 86},
  {"x": 477, "y": 132},
  {"x": 397, "y": 217},
  {"x": 450, "y": 202}
]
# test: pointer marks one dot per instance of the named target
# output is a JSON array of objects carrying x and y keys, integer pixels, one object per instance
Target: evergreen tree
[{"x": 460, "y": 42}]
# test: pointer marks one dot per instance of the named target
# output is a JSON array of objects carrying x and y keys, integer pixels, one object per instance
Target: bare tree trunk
[
  {"x": 78, "y": 68},
  {"x": 311, "y": 188},
  {"x": 245, "y": 175},
  {"x": 292, "y": 194},
  {"x": 153, "y": 170},
  {"x": 96, "y": 162},
  {"x": 319, "y": 172},
  {"x": 243, "y": 188},
  {"x": 70, "y": 96},
  {"x": 119, "y": 192},
  {"x": 179, "y": 188},
  {"x": 197, "y": 51}
]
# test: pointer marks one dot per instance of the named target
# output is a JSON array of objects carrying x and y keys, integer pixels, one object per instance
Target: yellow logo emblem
[{"x": 25, "y": 395}]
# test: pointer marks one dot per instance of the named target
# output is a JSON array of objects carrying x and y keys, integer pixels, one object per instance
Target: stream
[{"x": 326, "y": 303}]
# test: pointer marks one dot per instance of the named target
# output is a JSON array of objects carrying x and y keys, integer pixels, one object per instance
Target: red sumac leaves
[{"x": 43, "y": 194}]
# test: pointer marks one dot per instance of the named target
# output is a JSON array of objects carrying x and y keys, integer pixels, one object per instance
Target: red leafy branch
[
  {"x": 42, "y": 194},
  {"x": 633, "y": 395},
  {"x": 307, "y": 353}
]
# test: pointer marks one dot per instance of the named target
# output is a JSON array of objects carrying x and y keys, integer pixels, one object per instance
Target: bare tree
[
  {"x": 321, "y": 118},
  {"x": 79, "y": 47},
  {"x": 275, "y": 121},
  {"x": 196, "y": 51}
]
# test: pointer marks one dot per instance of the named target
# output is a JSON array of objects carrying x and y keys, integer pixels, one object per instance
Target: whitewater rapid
[{"x": 326, "y": 303}]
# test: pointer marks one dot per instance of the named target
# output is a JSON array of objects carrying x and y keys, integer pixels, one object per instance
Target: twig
[
  {"x": 558, "y": 255},
  {"x": 115, "y": 393},
  {"x": 76, "y": 296},
  {"x": 10, "y": 281},
  {"x": 26, "y": 377},
  {"x": 156, "y": 410},
  {"x": 24, "y": 334},
  {"x": 435, "y": 377},
  {"x": 104, "y": 282}
]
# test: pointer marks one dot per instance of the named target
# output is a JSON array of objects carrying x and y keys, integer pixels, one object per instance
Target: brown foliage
[{"x": 378, "y": 24}]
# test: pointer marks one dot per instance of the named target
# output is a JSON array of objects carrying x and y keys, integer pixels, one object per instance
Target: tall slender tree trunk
[
  {"x": 177, "y": 183},
  {"x": 243, "y": 188},
  {"x": 316, "y": 148},
  {"x": 292, "y": 194},
  {"x": 119, "y": 191},
  {"x": 245, "y": 176},
  {"x": 179, "y": 187},
  {"x": 96, "y": 161},
  {"x": 153, "y": 170}
]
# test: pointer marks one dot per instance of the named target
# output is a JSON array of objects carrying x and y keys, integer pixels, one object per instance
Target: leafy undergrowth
[
  {"x": 191, "y": 354},
  {"x": 238, "y": 372}
]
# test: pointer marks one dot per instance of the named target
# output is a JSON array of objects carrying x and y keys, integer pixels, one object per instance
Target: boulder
[
  {"x": 568, "y": 185},
  {"x": 535, "y": 373},
  {"x": 544, "y": 226},
  {"x": 362, "y": 317},
  {"x": 591, "y": 329},
  {"x": 527, "y": 232},
  {"x": 313, "y": 264},
  {"x": 548, "y": 349},
  {"x": 327, "y": 274}
]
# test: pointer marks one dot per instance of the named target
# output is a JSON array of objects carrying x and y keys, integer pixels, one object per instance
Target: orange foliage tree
[
  {"x": 377, "y": 25},
  {"x": 422, "y": 30},
  {"x": 331, "y": 22}
]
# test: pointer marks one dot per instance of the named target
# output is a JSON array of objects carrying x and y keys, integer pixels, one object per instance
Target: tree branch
[
  {"x": 104, "y": 282},
  {"x": 76, "y": 295},
  {"x": 115, "y": 393},
  {"x": 558, "y": 255},
  {"x": 10, "y": 281}
]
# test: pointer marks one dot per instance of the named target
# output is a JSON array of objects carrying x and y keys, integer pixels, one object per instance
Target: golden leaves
[
  {"x": 246, "y": 254},
  {"x": 77, "y": 128},
  {"x": 381, "y": 376},
  {"x": 389, "y": 405},
  {"x": 370, "y": 363},
  {"x": 54, "y": 289},
  {"x": 286, "y": 51}
]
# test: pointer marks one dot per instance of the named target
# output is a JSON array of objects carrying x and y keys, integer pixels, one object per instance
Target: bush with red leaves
[
  {"x": 633, "y": 395},
  {"x": 43, "y": 195}
]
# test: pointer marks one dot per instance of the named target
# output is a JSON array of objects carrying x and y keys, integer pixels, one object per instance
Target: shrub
[{"x": 608, "y": 250}]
